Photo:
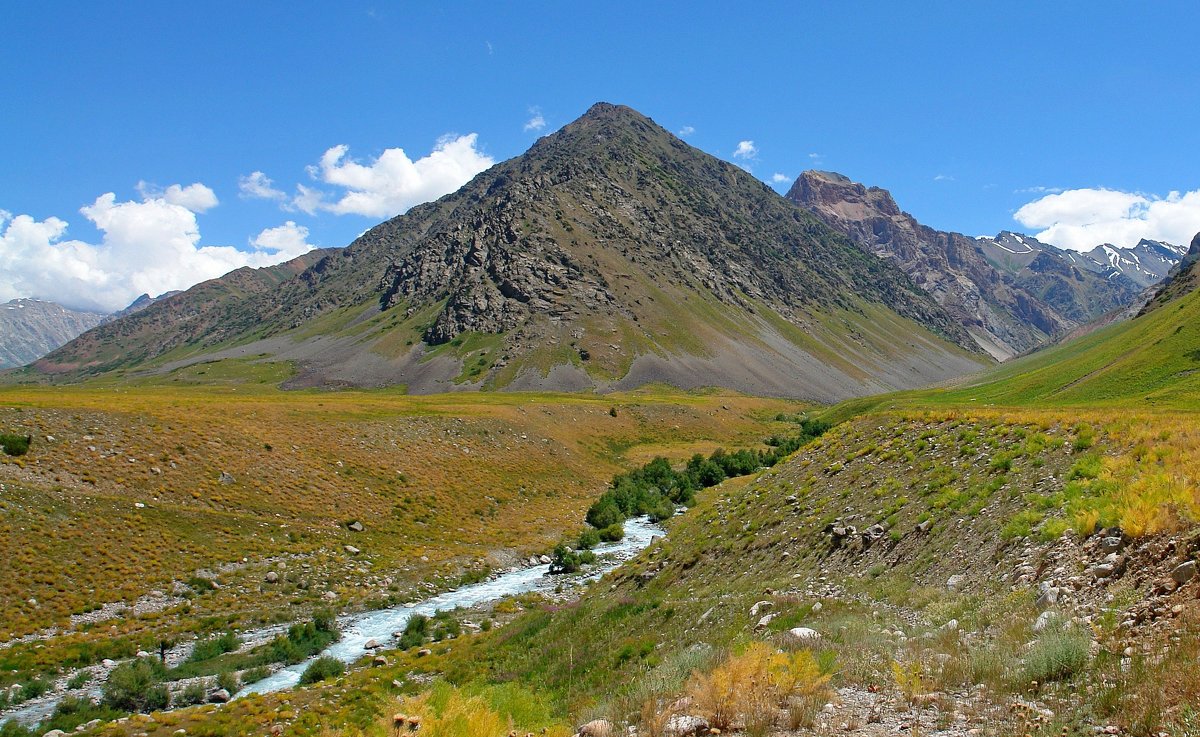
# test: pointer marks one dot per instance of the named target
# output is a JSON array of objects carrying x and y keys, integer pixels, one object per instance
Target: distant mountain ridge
[
  {"x": 31, "y": 328},
  {"x": 610, "y": 255},
  {"x": 1012, "y": 293}
]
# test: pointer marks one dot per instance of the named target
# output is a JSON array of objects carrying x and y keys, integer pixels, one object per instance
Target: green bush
[
  {"x": 137, "y": 685},
  {"x": 322, "y": 668},
  {"x": 588, "y": 539},
  {"x": 15, "y": 445},
  {"x": 612, "y": 533},
  {"x": 79, "y": 680},
  {"x": 415, "y": 632},
  {"x": 215, "y": 647},
  {"x": 193, "y": 693},
  {"x": 228, "y": 680},
  {"x": 254, "y": 675},
  {"x": 1057, "y": 655}
]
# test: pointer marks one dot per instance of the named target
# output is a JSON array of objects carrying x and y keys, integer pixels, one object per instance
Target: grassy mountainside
[{"x": 610, "y": 255}]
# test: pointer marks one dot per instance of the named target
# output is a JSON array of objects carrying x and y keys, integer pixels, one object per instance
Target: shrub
[
  {"x": 79, "y": 680},
  {"x": 228, "y": 680},
  {"x": 15, "y": 445},
  {"x": 322, "y": 668},
  {"x": 613, "y": 533},
  {"x": 1057, "y": 655},
  {"x": 256, "y": 674},
  {"x": 415, "y": 632},
  {"x": 754, "y": 684},
  {"x": 193, "y": 693},
  {"x": 137, "y": 685},
  {"x": 214, "y": 647},
  {"x": 588, "y": 539}
]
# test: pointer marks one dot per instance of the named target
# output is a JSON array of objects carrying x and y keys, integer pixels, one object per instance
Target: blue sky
[{"x": 967, "y": 112}]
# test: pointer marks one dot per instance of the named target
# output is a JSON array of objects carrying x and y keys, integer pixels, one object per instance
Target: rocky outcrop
[
  {"x": 1011, "y": 293},
  {"x": 1182, "y": 280}
]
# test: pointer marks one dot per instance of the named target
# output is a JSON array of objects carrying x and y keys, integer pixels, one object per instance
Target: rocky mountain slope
[
  {"x": 31, "y": 328},
  {"x": 1182, "y": 280},
  {"x": 1011, "y": 293},
  {"x": 1147, "y": 263},
  {"x": 610, "y": 255}
]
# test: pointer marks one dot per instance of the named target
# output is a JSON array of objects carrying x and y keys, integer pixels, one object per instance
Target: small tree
[
  {"x": 137, "y": 686},
  {"x": 322, "y": 668}
]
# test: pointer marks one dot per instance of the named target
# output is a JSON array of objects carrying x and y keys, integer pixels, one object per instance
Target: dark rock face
[
  {"x": 1011, "y": 293},
  {"x": 1182, "y": 280},
  {"x": 31, "y": 328}
]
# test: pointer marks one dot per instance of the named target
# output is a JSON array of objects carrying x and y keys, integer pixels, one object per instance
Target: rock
[
  {"x": 817, "y": 607},
  {"x": 1103, "y": 570},
  {"x": 379, "y": 661},
  {"x": 226, "y": 478},
  {"x": 220, "y": 696},
  {"x": 355, "y": 526},
  {"x": 762, "y": 623},
  {"x": 924, "y": 526},
  {"x": 371, "y": 644},
  {"x": 956, "y": 582},
  {"x": 1184, "y": 572},
  {"x": 545, "y": 559},
  {"x": 352, "y": 550},
  {"x": 271, "y": 577},
  {"x": 424, "y": 652},
  {"x": 1045, "y": 619},
  {"x": 1111, "y": 545},
  {"x": 596, "y": 728},
  {"x": 761, "y": 606},
  {"x": 1048, "y": 598},
  {"x": 804, "y": 633},
  {"x": 685, "y": 725},
  {"x": 951, "y": 626},
  {"x": 55, "y": 733}
]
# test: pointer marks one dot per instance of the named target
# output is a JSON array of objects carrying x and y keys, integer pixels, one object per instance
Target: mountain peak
[{"x": 841, "y": 196}]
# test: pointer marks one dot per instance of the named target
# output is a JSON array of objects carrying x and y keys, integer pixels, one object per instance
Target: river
[{"x": 359, "y": 629}]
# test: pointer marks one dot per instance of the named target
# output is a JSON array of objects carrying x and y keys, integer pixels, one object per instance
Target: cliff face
[{"x": 1011, "y": 293}]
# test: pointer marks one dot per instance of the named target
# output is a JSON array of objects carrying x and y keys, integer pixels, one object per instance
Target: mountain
[
  {"x": 1182, "y": 280},
  {"x": 1147, "y": 263},
  {"x": 31, "y": 328},
  {"x": 138, "y": 305},
  {"x": 1011, "y": 293},
  {"x": 610, "y": 255}
]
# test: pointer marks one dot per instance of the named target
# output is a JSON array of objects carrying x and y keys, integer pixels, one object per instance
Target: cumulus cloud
[
  {"x": 195, "y": 197},
  {"x": 148, "y": 247},
  {"x": 536, "y": 122},
  {"x": 392, "y": 183},
  {"x": 686, "y": 131},
  {"x": 778, "y": 178},
  {"x": 1081, "y": 219},
  {"x": 745, "y": 150},
  {"x": 258, "y": 186},
  {"x": 288, "y": 238}
]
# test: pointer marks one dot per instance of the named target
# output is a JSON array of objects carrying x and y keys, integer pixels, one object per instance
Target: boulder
[
  {"x": 352, "y": 550},
  {"x": 55, "y": 733},
  {"x": 545, "y": 559},
  {"x": 596, "y": 728},
  {"x": 1048, "y": 598},
  {"x": 685, "y": 725},
  {"x": 1045, "y": 619},
  {"x": 355, "y": 526},
  {"x": 424, "y": 652},
  {"x": 804, "y": 633},
  {"x": 226, "y": 478},
  {"x": 379, "y": 661},
  {"x": 760, "y": 606},
  {"x": 762, "y": 623},
  {"x": 371, "y": 644},
  {"x": 956, "y": 582},
  {"x": 220, "y": 696},
  {"x": 1184, "y": 572},
  {"x": 271, "y": 577}
]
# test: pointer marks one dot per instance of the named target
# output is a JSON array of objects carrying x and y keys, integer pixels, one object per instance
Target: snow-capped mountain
[{"x": 1146, "y": 263}]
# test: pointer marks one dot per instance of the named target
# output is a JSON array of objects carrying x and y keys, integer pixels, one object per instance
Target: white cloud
[
  {"x": 1037, "y": 190},
  {"x": 780, "y": 178},
  {"x": 258, "y": 186},
  {"x": 392, "y": 183},
  {"x": 1081, "y": 219},
  {"x": 686, "y": 131},
  {"x": 943, "y": 178},
  {"x": 288, "y": 238},
  {"x": 745, "y": 150},
  {"x": 195, "y": 197},
  {"x": 536, "y": 122},
  {"x": 148, "y": 247}
]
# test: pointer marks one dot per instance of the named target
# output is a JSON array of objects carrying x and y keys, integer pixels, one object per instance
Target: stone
[
  {"x": 545, "y": 559},
  {"x": 596, "y": 728},
  {"x": 226, "y": 478},
  {"x": 956, "y": 582},
  {"x": 424, "y": 652},
  {"x": 355, "y": 526},
  {"x": 804, "y": 633},
  {"x": 1044, "y": 620},
  {"x": 1184, "y": 572},
  {"x": 763, "y": 622},
  {"x": 924, "y": 526},
  {"x": 1048, "y": 598},
  {"x": 817, "y": 607},
  {"x": 55, "y": 733},
  {"x": 371, "y": 644},
  {"x": 379, "y": 661},
  {"x": 685, "y": 725},
  {"x": 1111, "y": 545},
  {"x": 352, "y": 550},
  {"x": 271, "y": 577},
  {"x": 220, "y": 696},
  {"x": 760, "y": 606}
]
